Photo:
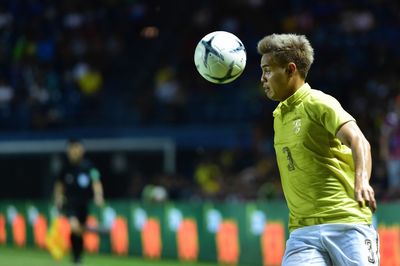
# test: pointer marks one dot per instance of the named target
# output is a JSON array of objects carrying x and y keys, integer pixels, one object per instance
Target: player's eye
[{"x": 267, "y": 72}]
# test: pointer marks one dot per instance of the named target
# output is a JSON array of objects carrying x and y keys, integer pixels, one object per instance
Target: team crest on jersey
[
  {"x": 83, "y": 180},
  {"x": 296, "y": 126}
]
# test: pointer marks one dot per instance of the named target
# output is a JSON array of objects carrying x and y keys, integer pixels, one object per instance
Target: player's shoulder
[
  {"x": 320, "y": 97},
  {"x": 319, "y": 100}
]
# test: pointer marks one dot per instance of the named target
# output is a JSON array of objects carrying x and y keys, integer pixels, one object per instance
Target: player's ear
[{"x": 291, "y": 68}]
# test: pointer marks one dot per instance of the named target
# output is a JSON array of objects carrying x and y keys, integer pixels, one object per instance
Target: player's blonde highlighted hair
[{"x": 286, "y": 48}]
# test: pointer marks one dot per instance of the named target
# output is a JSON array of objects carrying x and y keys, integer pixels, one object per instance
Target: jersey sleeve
[
  {"x": 331, "y": 114},
  {"x": 91, "y": 170}
]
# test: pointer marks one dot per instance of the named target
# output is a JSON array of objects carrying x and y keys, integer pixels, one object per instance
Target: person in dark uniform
[{"x": 77, "y": 184}]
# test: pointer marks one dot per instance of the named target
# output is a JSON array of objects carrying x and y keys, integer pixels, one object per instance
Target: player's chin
[{"x": 270, "y": 95}]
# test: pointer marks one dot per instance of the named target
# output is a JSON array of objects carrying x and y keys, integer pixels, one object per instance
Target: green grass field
[{"x": 33, "y": 257}]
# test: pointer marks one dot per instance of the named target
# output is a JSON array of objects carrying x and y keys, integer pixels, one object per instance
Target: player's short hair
[{"x": 286, "y": 48}]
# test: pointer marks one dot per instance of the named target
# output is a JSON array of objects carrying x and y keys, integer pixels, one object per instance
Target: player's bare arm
[
  {"x": 351, "y": 135},
  {"x": 98, "y": 193},
  {"x": 58, "y": 194}
]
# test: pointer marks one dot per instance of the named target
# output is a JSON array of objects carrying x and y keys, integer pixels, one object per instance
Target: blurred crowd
[{"x": 69, "y": 63}]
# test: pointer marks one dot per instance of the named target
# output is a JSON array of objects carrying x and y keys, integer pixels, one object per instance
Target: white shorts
[{"x": 333, "y": 244}]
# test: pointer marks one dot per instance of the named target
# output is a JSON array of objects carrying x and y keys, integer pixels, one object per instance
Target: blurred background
[
  {"x": 120, "y": 75},
  {"x": 109, "y": 70}
]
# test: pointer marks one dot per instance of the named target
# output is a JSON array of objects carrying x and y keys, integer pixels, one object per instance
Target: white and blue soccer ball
[{"x": 220, "y": 57}]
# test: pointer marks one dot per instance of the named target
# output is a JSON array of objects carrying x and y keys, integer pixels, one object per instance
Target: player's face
[
  {"x": 75, "y": 152},
  {"x": 274, "y": 79}
]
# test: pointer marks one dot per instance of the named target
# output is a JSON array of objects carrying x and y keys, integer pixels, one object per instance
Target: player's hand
[{"x": 364, "y": 194}]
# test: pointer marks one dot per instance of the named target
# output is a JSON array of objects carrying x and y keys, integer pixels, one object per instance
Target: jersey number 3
[{"x": 289, "y": 158}]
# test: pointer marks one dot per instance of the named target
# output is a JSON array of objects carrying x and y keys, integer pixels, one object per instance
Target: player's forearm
[
  {"x": 362, "y": 159},
  {"x": 58, "y": 189},
  {"x": 351, "y": 135},
  {"x": 98, "y": 192},
  {"x": 58, "y": 193},
  {"x": 97, "y": 188}
]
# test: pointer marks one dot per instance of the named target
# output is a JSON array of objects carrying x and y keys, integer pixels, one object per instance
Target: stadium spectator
[
  {"x": 390, "y": 149},
  {"x": 169, "y": 95},
  {"x": 129, "y": 43},
  {"x": 208, "y": 175}
]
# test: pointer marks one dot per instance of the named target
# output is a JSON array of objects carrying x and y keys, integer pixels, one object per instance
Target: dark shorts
[{"x": 78, "y": 211}]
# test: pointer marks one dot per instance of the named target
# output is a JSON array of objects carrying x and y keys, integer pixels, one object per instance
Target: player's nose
[{"x": 264, "y": 77}]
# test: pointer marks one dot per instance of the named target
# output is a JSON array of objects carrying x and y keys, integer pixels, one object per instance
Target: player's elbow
[
  {"x": 358, "y": 141},
  {"x": 361, "y": 142}
]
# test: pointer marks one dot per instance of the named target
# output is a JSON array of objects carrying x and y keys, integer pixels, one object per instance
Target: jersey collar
[{"x": 290, "y": 101}]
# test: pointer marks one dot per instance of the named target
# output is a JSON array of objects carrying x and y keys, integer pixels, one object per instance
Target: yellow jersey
[{"x": 316, "y": 169}]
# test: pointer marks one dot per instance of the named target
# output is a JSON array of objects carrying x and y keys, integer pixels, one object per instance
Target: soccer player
[
  {"x": 324, "y": 161},
  {"x": 74, "y": 188}
]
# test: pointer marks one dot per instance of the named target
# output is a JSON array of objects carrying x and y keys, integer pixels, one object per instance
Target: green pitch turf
[{"x": 32, "y": 257}]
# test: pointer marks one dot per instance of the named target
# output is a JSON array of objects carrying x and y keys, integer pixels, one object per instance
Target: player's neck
[
  {"x": 75, "y": 162},
  {"x": 296, "y": 83}
]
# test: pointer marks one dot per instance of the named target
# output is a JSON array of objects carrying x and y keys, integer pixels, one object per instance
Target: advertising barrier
[{"x": 250, "y": 233}]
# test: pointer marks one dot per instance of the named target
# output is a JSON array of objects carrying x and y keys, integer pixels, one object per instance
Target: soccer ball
[{"x": 220, "y": 57}]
